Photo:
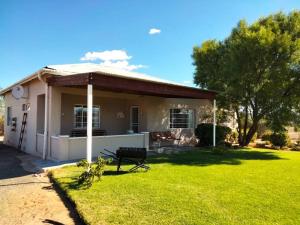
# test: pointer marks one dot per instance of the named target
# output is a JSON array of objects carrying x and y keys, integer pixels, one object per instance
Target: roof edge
[
  {"x": 55, "y": 72},
  {"x": 24, "y": 80}
]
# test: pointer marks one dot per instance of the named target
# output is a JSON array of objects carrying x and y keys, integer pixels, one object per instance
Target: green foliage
[
  {"x": 254, "y": 137},
  {"x": 204, "y": 132},
  {"x": 1, "y": 125},
  {"x": 91, "y": 171},
  {"x": 240, "y": 186},
  {"x": 266, "y": 136},
  {"x": 279, "y": 139},
  {"x": 256, "y": 71},
  {"x": 233, "y": 137}
]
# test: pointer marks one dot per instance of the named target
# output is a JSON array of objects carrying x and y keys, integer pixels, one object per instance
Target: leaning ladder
[{"x": 22, "y": 130}]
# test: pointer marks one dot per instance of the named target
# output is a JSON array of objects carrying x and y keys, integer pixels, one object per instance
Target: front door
[{"x": 134, "y": 118}]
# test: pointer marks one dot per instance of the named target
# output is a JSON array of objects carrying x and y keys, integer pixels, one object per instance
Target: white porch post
[
  {"x": 214, "y": 124},
  {"x": 89, "y": 141}
]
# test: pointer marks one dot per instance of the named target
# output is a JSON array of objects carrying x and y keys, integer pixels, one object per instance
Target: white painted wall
[
  {"x": 35, "y": 88},
  {"x": 69, "y": 148}
]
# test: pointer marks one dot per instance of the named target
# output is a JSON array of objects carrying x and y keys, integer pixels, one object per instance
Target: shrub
[
  {"x": 253, "y": 139},
  {"x": 279, "y": 139},
  {"x": 296, "y": 148},
  {"x": 266, "y": 136},
  {"x": 204, "y": 132},
  {"x": 233, "y": 137},
  {"x": 91, "y": 170},
  {"x": 1, "y": 125}
]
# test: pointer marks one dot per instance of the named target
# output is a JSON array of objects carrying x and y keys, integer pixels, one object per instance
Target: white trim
[
  {"x": 189, "y": 122},
  {"x": 74, "y": 117},
  {"x": 89, "y": 143}
]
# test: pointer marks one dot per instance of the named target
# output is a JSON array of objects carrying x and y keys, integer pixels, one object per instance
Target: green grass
[{"x": 236, "y": 187}]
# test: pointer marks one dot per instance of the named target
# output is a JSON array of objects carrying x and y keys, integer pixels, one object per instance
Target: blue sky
[{"x": 37, "y": 33}]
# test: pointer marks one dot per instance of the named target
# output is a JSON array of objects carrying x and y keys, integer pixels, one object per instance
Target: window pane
[
  {"x": 181, "y": 118},
  {"x": 8, "y": 116},
  {"x": 80, "y": 116}
]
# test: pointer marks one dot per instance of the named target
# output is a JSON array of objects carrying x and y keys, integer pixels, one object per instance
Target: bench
[
  {"x": 82, "y": 132},
  {"x": 159, "y": 136}
]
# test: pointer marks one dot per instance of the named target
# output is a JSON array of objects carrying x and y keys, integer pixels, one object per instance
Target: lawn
[{"x": 244, "y": 186}]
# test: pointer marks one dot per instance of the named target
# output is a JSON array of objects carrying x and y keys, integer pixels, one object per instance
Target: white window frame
[
  {"x": 190, "y": 124},
  {"x": 82, "y": 123},
  {"x": 131, "y": 123}
]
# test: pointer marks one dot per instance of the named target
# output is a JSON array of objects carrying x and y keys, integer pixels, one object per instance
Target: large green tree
[{"x": 256, "y": 71}]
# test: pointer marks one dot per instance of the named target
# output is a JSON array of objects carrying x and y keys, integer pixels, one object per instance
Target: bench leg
[{"x": 119, "y": 164}]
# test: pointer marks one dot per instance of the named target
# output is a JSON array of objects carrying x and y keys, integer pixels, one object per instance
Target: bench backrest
[{"x": 82, "y": 132}]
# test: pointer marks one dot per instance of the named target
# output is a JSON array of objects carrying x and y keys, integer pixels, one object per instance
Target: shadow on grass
[
  {"x": 206, "y": 157},
  {"x": 201, "y": 157},
  {"x": 114, "y": 173}
]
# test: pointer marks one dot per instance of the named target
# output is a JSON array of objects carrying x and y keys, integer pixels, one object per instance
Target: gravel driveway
[{"x": 28, "y": 198}]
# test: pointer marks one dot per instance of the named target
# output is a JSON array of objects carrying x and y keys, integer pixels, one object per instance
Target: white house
[{"x": 76, "y": 110}]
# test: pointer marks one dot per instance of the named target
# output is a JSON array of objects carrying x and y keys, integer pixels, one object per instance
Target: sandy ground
[{"x": 27, "y": 198}]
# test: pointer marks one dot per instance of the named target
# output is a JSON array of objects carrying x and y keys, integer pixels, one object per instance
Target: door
[{"x": 134, "y": 118}]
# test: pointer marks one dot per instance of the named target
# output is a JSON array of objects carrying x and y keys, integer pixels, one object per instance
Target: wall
[
  {"x": 35, "y": 88},
  {"x": 154, "y": 111},
  {"x": 70, "y": 148},
  {"x": 109, "y": 107},
  {"x": 39, "y": 143},
  {"x": 158, "y": 115}
]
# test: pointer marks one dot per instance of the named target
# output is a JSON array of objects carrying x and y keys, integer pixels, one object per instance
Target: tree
[{"x": 256, "y": 71}]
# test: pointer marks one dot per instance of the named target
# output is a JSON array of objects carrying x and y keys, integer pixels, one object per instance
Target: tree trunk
[
  {"x": 245, "y": 126},
  {"x": 240, "y": 139}
]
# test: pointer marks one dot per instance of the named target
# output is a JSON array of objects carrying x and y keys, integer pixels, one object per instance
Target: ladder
[{"x": 22, "y": 130}]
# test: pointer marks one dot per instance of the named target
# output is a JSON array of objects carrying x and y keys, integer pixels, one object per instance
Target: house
[{"x": 76, "y": 110}]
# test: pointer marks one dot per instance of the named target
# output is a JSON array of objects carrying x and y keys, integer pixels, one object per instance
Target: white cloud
[
  {"x": 154, "y": 31},
  {"x": 106, "y": 55},
  {"x": 112, "y": 58}
]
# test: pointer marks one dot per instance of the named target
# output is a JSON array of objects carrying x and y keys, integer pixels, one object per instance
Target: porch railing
[{"x": 70, "y": 148}]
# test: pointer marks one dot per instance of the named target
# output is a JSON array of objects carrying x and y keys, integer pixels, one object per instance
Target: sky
[{"x": 152, "y": 37}]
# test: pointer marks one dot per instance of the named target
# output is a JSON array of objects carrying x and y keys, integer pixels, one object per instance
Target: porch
[{"x": 125, "y": 110}]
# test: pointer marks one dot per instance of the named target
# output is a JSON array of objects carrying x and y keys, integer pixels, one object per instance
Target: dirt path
[{"x": 26, "y": 198}]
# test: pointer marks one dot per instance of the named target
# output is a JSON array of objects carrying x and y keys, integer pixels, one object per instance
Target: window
[
  {"x": 26, "y": 107},
  {"x": 181, "y": 118},
  {"x": 8, "y": 116},
  {"x": 80, "y": 116}
]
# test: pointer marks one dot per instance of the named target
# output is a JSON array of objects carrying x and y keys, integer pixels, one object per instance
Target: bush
[
  {"x": 253, "y": 139},
  {"x": 296, "y": 148},
  {"x": 266, "y": 136},
  {"x": 91, "y": 170},
  {"x": 233, "y": 137},
  {"x": 1, "y": 125},
  {"x": 204, "y": 132},
  {"x": 279, "y": 139}
]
